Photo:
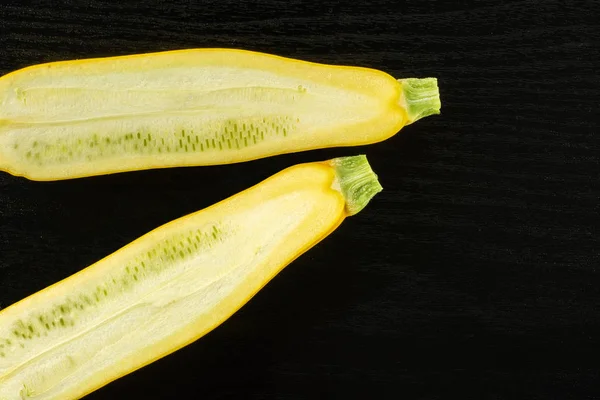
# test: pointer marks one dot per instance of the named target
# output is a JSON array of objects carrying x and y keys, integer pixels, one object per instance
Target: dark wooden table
[{"x": 474, "y": 275}]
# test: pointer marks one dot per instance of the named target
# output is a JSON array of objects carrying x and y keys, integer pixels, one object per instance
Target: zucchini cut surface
[
  {"x": 72, "y": 119},
  {"x": 174, "y": 284}
]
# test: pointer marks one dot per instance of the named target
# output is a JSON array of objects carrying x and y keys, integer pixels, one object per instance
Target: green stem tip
[
  {"x": 357, "y": 181},
  {"x": 421, "y": 97}
]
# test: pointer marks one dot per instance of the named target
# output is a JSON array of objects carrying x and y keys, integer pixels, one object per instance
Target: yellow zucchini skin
[
  {"x": 173, "y": 285},
  {"x": 193, "y": 107}
]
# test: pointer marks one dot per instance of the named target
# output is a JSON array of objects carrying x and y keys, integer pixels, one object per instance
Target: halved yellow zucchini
[
  {"x": 89, "y": 117},
  {"x": 174, "y": 284}
]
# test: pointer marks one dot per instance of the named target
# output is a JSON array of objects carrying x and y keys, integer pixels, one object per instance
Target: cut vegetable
[
  {"x": 81, "y": 118},
  {"x": 174, "y": 284}
]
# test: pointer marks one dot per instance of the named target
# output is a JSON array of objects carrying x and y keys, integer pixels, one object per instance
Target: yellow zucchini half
[
  {"x": 72, "y": 119},
  {"x": 174, "y": 284}
]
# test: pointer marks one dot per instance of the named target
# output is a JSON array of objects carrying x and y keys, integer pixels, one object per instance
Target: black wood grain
[{"x": 474, "y": 275}]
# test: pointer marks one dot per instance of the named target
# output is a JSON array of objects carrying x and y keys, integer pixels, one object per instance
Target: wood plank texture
[{"x": 474, "y": 275}]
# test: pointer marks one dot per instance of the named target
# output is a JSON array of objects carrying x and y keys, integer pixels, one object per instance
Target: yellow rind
[
  {"x": 383, "y": 91},
  {"x": 317, "y": 178}
]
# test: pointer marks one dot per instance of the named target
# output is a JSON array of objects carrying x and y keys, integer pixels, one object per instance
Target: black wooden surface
[{"x": 474, "y": 275}]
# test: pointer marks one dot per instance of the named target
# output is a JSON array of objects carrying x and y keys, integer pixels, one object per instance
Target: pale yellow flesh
[
  {"x": 259, "y": 232},
  {"x": 201, "y": 91}
]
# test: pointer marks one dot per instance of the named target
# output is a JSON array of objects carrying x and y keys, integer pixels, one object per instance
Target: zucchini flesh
[
  {"x": 174, "y": 284},
  {"x": 89, "y": 117}
]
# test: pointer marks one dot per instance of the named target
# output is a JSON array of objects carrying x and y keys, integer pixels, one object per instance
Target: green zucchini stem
[
  {"x": 421, "y": 97},
  {"x": 356, "y": 180}
]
